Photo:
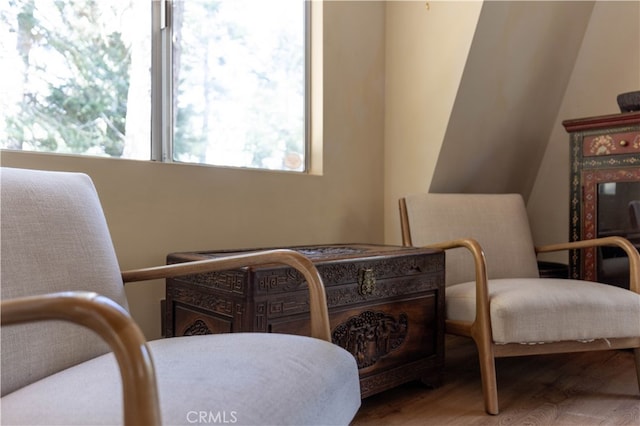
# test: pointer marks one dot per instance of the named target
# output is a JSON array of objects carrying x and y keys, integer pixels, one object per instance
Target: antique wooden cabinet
[
  {"x": 604, "y": 192},
  {"x": 386, "y": 306}
]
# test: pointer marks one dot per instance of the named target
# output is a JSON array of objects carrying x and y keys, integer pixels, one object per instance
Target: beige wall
[
  {"x": 153, "y": 208},
  {"x": 520, "y": 61},
  {"x": 489, "y": 120},
  {"x": 608, "y": 64},
  {"x": 473, "y": 89},
  {"x": 426, "y": 53}
]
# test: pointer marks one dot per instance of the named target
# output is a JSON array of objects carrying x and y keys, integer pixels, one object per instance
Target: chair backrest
[
  {"x": 54, "y": 237},
  {"x": 498, "y": 222}
]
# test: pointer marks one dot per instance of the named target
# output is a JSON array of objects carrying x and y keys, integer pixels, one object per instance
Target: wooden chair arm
[
  {"x": 115, "y": 326},
  {"x": 623, "y": 243},
  {"x": 481, "y": 327},
  {"x": 482, "y": 323},
  {"x": 319, "y": 313}
]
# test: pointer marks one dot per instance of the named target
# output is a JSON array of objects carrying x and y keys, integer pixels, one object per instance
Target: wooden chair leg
[{"x": 488, "y": 377}]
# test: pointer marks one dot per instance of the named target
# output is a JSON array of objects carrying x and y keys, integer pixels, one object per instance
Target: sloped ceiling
[{"x": 518, "y": 68}]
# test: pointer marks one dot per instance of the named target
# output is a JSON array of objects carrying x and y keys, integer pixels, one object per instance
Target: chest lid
[{"x": 338, "y": 264}]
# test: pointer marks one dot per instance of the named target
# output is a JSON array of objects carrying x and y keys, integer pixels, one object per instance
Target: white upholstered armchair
[
  {"x": 60, "y": 278},
  {"x": 495, "y": 295}
]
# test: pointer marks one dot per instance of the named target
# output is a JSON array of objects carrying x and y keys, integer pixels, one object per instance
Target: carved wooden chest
[{"x": 386, "y": 306}]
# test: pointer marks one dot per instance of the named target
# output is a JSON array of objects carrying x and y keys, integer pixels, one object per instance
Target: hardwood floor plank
[{"x": 588, "y": 388}]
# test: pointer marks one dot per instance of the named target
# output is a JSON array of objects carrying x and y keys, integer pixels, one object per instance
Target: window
[{"x": 203, "y": 81}]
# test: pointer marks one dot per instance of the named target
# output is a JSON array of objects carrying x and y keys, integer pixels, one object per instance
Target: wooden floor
[{"x": 591, "y": 388}]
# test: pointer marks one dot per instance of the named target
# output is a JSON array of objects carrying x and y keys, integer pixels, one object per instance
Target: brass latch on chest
[{"x": 366, "y": 282}]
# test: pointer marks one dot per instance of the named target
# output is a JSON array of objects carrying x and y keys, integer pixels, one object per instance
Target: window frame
[{"x": 162, "y": 125}]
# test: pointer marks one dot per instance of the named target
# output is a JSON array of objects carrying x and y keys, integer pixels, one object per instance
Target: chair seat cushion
[
  {"x": 242, "y": 378},
  {"x": 531, "y": 310}
]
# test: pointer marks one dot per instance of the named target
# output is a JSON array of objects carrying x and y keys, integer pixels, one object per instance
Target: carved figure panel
[
  {"x": 198, "y": 328},
  {"x": 371, "y": 336}
]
